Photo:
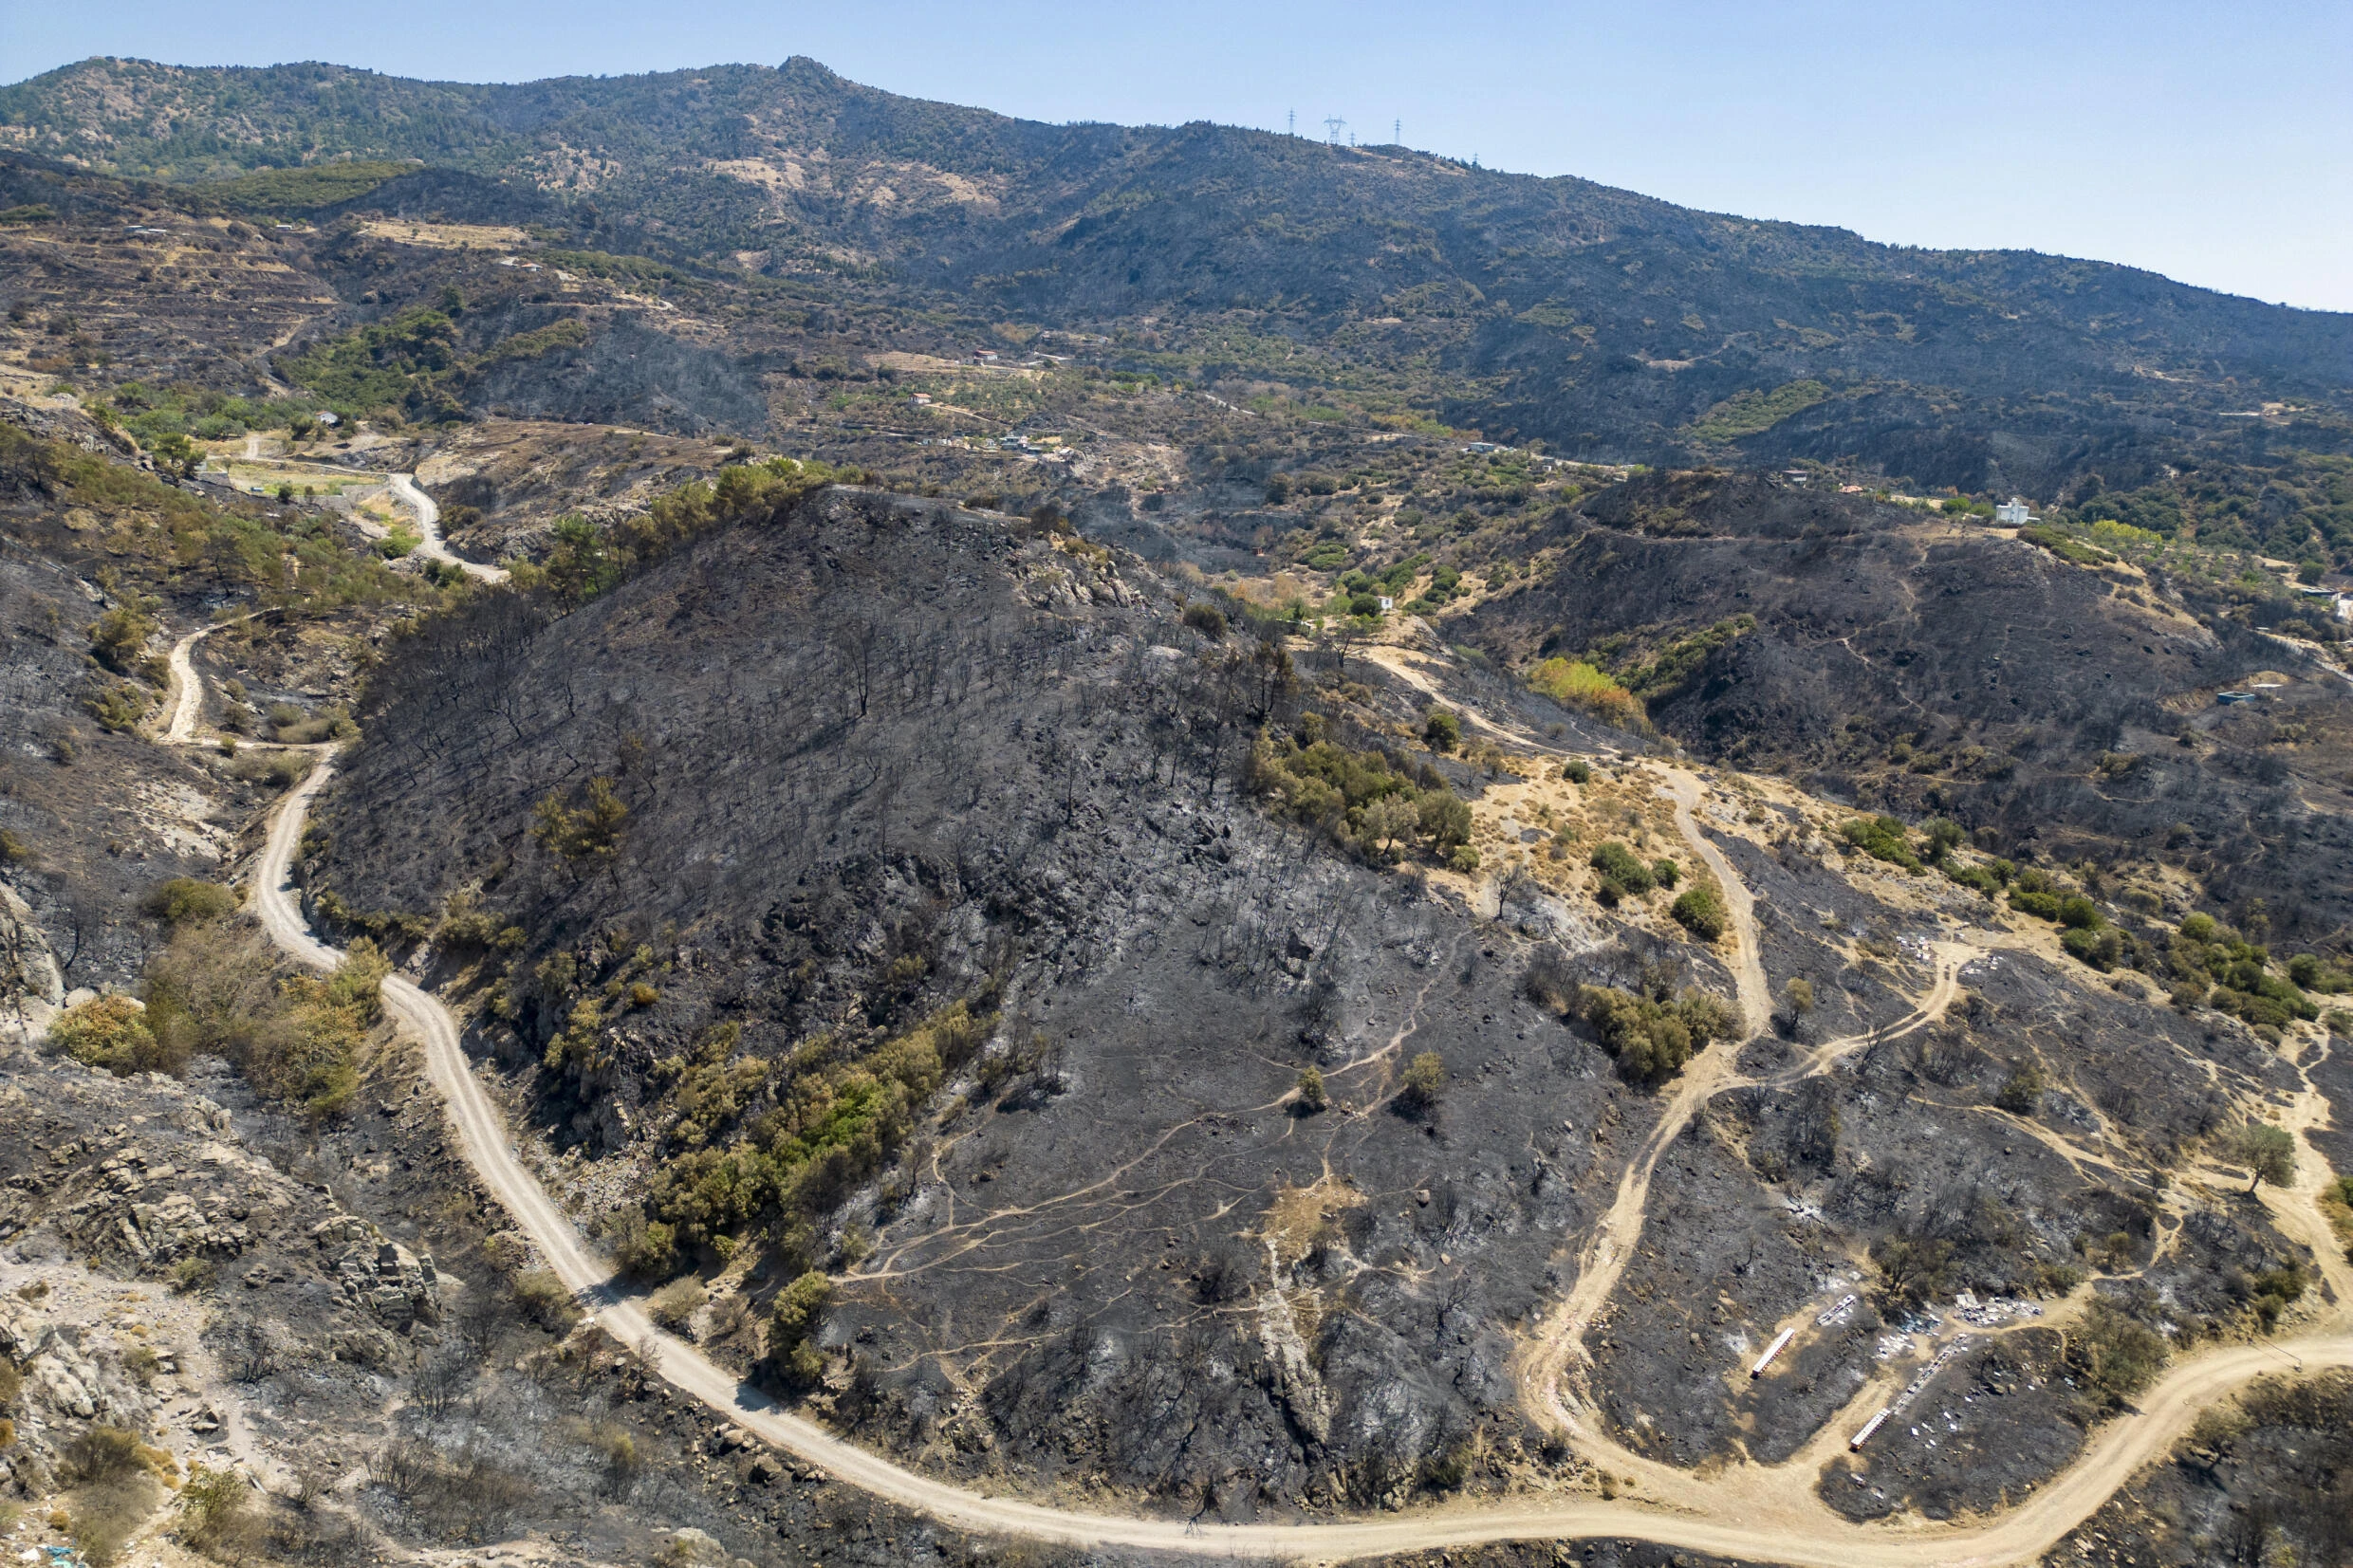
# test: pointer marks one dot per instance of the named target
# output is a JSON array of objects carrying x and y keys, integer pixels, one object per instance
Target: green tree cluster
[
  {"x": 806, "y": 1132},
  {"x": 288, "y": 561},
  {"x": 590, "y": 831},
  {"x": 1368, "y": 799},
  {"x": 1882, "y": 838},
  {"x": 216, "y": 988},
  {"x": 588, "y": 558},
  {"x": 2212, "y": 962},
  {"x": 1651, "y": 1037}
]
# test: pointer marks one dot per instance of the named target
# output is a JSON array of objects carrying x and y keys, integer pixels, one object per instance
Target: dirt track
[
  {"x": 1756, "y": 1513},
  {"x": 429, "y": 530}
]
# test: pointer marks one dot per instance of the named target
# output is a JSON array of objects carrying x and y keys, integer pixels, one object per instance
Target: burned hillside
[
  {"x": 889, "y": 889},
  {"x": 1925, "y": 666}
]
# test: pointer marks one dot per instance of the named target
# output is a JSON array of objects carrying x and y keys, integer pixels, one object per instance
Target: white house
[{"x": 2012, "y": 513}]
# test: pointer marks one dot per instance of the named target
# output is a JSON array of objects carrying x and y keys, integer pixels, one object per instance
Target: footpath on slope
[{"x": 1788, "y": 1526}]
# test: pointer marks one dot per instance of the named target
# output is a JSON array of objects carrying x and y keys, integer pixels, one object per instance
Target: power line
[
  {"x": 1291, "y": 123},
  {"x": 1331, "y": 129}
]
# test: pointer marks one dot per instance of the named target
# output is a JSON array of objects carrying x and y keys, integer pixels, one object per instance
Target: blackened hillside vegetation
[
  {"x": 884, "y": 757},
  {"x": 1926, "y": 668}
]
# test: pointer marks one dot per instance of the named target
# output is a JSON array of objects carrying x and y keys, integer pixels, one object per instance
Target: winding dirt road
[
  {"x": 429, "y": 530},
  {"x": 1763, "y": 1514}
]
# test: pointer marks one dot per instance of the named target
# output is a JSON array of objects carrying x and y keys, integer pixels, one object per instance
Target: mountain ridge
[{"x": 1605, "y": 323}]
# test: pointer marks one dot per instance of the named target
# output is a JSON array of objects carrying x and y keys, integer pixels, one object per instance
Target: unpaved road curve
[
  {"x": 429, "y": 529},
  {"x": 186, "y": 694},
  {"x": 1788, "y": 1526}
]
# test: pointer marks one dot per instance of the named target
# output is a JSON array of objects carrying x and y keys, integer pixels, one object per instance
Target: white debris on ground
[{"x": 1992, "y": 1314}]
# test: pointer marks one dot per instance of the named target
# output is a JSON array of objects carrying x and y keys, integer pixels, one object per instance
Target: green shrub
[
  {"x": 2275, "y": 1290},
  {"x": 1623, "y": 873},
  {"x": 111, "y": 1032},
  {"x": 2111, "y": 1353},
  {"x": 1206, "y": 619},
  {"x": 1577, "y": 770},
  {"x": 792, "y": 1319},
  {"x": 119, "y": 639},
  {"x": 1424, "y": 1081},
  {"x": 2101, "y": 948},
  {"x": 280, "y": 769},
  {"x": 544, "y": 1301},
  {"x": 675, "y": 1304},
  {"x": 2078, "y": 913},
  {"x": 1314, "y": 1098},
  {"x": 1441, "y": 731},
  {"x": 118, "y": 707},
  {"x": 1882, "y": 838},
  {"x": 1573, "y": 683},
  {"x": 1944, "y": 836},
  {"x": 2032, "y": 901},
  {"x": 1667, "y": 872},
  {"x": 2200, "y": 928},
  {"x": 185, "y": 898},
  {"x": 212, "y": 1508},
  {"x": 1978, "y": 878},
  {"x": 1701, "y": 911},
  {"x": 1798, "y": 995},
  {"x": 1464, "y": 861},
  {"x": 2311, "y": 974},
  {"x": 2067, "y": 549},
  {"x": 589, "y": 831},
  {"x": 2022, "y": 1092},
  {"x": 642, "y": 1249}
]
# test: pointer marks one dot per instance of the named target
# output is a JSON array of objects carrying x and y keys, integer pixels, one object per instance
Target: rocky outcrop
[
  {"x": 32, "y": 992},
  {"x": 397, "y": 1287}
]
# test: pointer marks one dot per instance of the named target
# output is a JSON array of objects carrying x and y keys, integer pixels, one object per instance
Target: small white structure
[
  {"x": 1775, "y": 1349},
  {"x": 1869, "y": 1427},
  {"x": 2012, "y": 513},
  {"x": 1387, "y": 603}
]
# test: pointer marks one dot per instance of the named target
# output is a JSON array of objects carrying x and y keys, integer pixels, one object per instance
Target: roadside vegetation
[{"x": 218, "y": 988}]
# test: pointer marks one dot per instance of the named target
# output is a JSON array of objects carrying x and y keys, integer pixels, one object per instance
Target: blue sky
[{"x": 2210, "y": 143}]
